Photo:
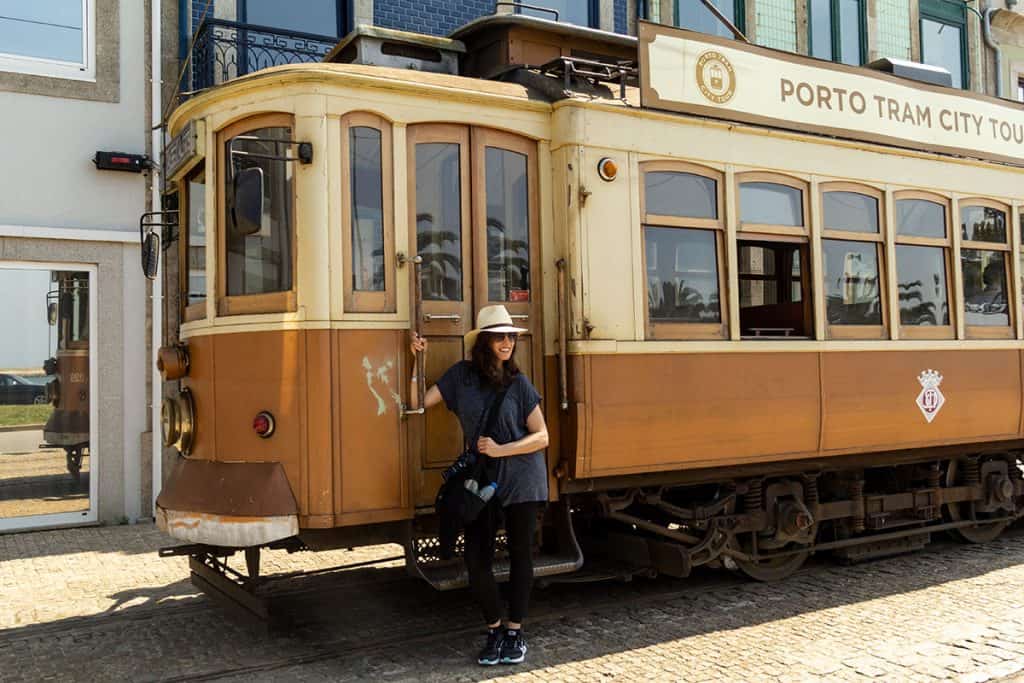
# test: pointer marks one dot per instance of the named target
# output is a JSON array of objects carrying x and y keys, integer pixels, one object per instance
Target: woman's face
[{"x": 502, "y": 344}]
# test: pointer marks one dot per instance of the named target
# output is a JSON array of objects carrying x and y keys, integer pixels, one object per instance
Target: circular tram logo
[{"x": 715, "y": 77}]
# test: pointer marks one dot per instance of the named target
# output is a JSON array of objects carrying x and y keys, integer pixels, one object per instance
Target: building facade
[{"x": 76, "y": 106}]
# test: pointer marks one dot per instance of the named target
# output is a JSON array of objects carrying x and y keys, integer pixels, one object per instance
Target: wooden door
[{"x": 472, "y": 198}]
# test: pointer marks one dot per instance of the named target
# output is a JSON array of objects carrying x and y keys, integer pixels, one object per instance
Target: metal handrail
[{"x": 523, "y": 5}]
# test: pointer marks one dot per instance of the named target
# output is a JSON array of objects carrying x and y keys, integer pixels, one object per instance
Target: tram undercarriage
[{"x": 764, "y": 526}]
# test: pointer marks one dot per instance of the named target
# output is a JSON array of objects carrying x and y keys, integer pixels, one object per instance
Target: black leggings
[{"x": 520, "y": 525}]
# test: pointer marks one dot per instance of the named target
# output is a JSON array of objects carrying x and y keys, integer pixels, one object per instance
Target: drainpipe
[
  {"x": 986, "y": 30},
  {"x": 156, "y": 339}
]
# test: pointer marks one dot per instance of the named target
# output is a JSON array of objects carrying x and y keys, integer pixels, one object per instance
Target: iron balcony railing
[{"x": 227, "y": 49}]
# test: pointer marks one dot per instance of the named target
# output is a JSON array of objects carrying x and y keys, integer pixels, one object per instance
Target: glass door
[
  {"x": 476, "y": 228},
  {"x": 47, "y": 463}
]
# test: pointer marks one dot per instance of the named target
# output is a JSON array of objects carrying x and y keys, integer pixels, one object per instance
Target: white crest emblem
[{"x": 930, "y": 400}]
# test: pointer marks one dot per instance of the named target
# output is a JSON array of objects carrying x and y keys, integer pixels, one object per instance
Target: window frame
[
  {"x": 243, "y": 304},
  {"x": 946, "y": 243},
  {"x": 753, "y": 231},
  {"x": 358, "y": 301},
  {"x": 950, "y": 15},
  {"x": 1009, "y": 331},
  {"x": 686, "y": 331},
  {"x": 739, "y": 11},
  {"x": 55, "y": 68},
  {"x": 196, "y": 311},
  {"x": 593, "y": 13},
  {"x": 835, "y": 37},
  {"x": 879, "y": 239}
]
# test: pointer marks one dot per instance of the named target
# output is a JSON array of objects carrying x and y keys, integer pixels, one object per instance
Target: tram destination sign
[
  {"x": 706, "y": 75},
  {"x": 184, "y": 150}
]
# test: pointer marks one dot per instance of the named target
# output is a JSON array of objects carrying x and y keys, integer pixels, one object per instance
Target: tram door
[{"x": 472, "y": 198}]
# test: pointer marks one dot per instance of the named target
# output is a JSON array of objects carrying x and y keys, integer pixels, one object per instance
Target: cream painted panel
[
  {"x": 312, "y": 217},
  {"x": 608, "y": 238},
  {"x": 661, "y": 136}
]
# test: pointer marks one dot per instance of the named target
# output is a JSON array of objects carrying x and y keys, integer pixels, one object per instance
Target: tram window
[
  {"x": 771, "y": 204},
  {"x": 439, "y": 219},
  {"x": 366, "y": 181},
  {"x": 508, "y": 226},
  {"x": 772, "y": 279},
  {"x": 682, "y": 275},
  {"x": 688, "y": 195},
  {"x": 194, "y": 281},
  {"x": 920, "y": 218},
  {"x": 852, "y": 284},
  {"x": 850, "y": 211},
  {"x": 983, "y": 224},
  {"x": 921, "y": 282},
  {"x": 986, "y": 302},
  {"x": 261, "y": 262}
]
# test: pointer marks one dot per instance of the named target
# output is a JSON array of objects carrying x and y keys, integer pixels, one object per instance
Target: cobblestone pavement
[
  {"x": 37, "y": 482},
  {"x": 99, "y": 605}
]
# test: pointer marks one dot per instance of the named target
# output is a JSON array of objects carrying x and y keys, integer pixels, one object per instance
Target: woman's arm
[
  {"x": 531, "y": 443},
  {"x": 433, "y": 394}
]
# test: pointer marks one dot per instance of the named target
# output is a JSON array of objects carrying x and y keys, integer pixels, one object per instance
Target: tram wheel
[
  {"x": 772, "y": 568},
  {"x": 957, "y": 512}
]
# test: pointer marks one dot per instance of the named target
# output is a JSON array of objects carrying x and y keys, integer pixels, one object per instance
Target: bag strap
[{"x": 489, "y": 417}]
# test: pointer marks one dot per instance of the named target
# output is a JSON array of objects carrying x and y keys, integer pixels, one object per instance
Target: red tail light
[{"x": 263, "y": 424}]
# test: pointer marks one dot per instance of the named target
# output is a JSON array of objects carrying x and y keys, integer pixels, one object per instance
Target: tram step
[
  {"x": 451, "y": 575},
  {"x": 871, "y": 551}
]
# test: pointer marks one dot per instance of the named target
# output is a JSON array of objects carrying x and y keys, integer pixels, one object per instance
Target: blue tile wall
[
  {"x": 437, "y": 17},
  {"x": 621, "y": 21}
]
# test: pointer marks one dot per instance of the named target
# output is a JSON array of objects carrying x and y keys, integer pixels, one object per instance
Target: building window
[
  {"x": 316, "y": 17},
  {"x": 984, "y": 253},
  {"x": 837, "y": 30},
  {"x": 774, "y": 257},
  {"x": 54, "y": 38},
  {"x": 922, "y": 266},
  {"x": 579, "y": 12},
  {"x": 944, "y": 38},
  {"x": 368, "y": 222},
  {"x": 692, "y": 14},
  {"x": 258, "y": 257},
  {"x": 1020, "y": 89},
  {"x": 683, "y": 249}
]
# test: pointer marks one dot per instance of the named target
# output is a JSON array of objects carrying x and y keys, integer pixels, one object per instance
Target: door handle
[
  {"x": 454, "y": 317},
  {"x": 521, "y": 316}
]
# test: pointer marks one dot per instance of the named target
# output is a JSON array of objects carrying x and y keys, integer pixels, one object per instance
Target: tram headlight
[{"x": 177, "y": 421}]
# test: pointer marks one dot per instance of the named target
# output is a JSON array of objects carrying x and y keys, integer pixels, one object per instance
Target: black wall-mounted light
[{"x": 121, "y": 161}]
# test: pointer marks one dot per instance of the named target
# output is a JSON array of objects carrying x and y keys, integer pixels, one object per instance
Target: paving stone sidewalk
[{"x": 98, "y": 604}]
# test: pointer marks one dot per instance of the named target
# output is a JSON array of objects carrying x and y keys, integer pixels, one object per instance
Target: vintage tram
[
  {"x": 753, "y": 343},
  {"x": 67, "y": 308}
]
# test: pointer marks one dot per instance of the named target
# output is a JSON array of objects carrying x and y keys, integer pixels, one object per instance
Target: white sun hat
[{"x": 491, "y": 319}]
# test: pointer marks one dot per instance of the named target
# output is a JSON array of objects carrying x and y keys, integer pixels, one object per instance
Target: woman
[{"x": 468, "y": 388}]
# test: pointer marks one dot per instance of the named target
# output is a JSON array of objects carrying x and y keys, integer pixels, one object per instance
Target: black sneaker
[
  {"x": 491, "y": 654},
  {"x": 513, "y": 647}
]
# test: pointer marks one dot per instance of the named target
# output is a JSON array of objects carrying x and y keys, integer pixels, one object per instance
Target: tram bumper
[{"x": 232, "y": 505}]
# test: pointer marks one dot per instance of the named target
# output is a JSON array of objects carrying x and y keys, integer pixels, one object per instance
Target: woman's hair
[{"x": 482, "y": 359}]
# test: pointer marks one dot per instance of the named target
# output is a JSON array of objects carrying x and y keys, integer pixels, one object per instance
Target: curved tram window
[
  {"x": 367, "y": 209},
  {"x": 508, "y": 226},
  {"x": 261, "y": 262},
  {"x": 439, "y": 220},
  {"x": 45, "y": 463}
]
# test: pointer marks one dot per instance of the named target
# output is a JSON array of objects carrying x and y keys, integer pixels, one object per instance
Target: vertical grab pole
[
  {"x": 417, "y": 326},
  {"x": 563, "y": 338}
]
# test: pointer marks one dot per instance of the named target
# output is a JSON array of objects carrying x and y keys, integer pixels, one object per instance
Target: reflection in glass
[
  {"x": 45, "y": 30},
  {"x": 850, "y": 211},
  {"x": 508, "y": 226},
  {"x": 942, "y": 45},
  {"x": 44, "y": 393},
  {"x": 682, "y": 275},
  {"x": 696, "y": 17},
  {"x": 196, "y": 246},
  {"x": 688, "y": 195},
  {"x": 439, "y": 220},
  {"x": 920, "y": 218},
  {"x": 261, "y": 262},
  {"x": 852, "y": 295},
  {"x": 985, "y": 297},
  {"x": 821, "y": 28},
  {"x": 771, "y": 204},
  {"x": 367, "y": 178},
  {"x": 983, "y": 224},
  {"x": 921, "y": 280},
  {"x": 849, "y": 31},
  {"x": 319, "y": 17}
]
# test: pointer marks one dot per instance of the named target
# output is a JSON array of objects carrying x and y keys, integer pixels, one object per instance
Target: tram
[
  {"x": 755, "y": 340},
  {"x": 67, "y": 308}
]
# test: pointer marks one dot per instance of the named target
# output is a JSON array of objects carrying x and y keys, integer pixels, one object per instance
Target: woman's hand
[
  {"x": 417, "y": 343},
  {"x": 489, "y": 446}
]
